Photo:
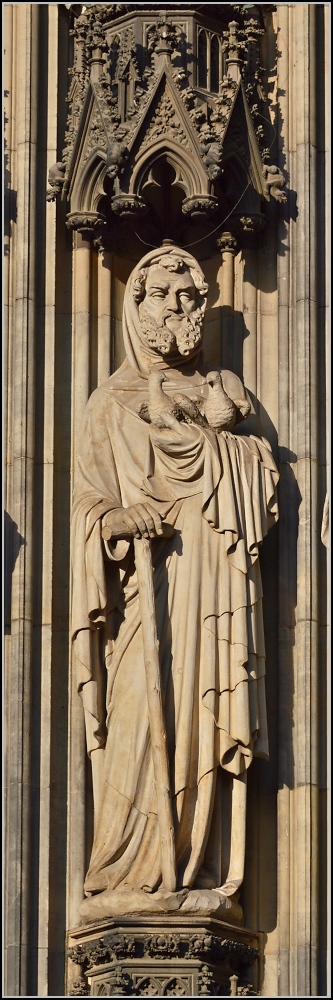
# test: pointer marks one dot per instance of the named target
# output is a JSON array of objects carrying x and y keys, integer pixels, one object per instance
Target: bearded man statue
[{"x": 164, "y": 442}]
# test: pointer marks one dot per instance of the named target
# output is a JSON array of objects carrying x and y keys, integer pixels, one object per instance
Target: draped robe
[{"x": 219, "y": 493}]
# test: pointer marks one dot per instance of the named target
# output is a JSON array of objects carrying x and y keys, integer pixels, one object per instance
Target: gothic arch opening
[{"x": 164, "y": 189}]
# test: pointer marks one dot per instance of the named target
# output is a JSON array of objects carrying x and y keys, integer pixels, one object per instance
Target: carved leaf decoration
[
  {"x": 165, "y": 121},
  {"x": 96, "y": 133}
]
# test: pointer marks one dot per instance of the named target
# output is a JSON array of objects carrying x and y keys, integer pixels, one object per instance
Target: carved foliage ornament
[
  {"x": 91, "y": 225},
  {"x": 104, "y": 949},
  {"x": 116, "y": 946},
  {"x": 165, "y": 121},
  {"x": 80, "y": 989},
  {"x": 167, "y": 945},
  {"x": 123, "y": 954}
]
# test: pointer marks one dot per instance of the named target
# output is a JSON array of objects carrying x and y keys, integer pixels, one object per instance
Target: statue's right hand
[{"x": 139, "y": 521}]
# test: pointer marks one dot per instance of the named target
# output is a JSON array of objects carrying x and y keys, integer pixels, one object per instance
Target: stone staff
[{"x": 144, "y": 568}]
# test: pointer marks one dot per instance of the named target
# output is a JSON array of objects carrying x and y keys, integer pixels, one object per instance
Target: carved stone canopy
[{"x": 161, "y": 133}]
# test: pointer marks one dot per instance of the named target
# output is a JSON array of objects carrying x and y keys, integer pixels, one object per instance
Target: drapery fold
[{"x": 219, "y": 493}]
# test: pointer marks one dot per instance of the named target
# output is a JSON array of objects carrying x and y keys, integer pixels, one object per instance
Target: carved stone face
[
  {"x": 169, "y": 313},
  {"x": 169, "y": 293}
]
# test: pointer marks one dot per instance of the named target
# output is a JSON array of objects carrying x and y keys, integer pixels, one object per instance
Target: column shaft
[
  {"x": 18, "y": 686},
  {"x": 77, "y": 747}
]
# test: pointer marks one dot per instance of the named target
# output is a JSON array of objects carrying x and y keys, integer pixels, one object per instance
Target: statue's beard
[{"x": 172, "y": 333}]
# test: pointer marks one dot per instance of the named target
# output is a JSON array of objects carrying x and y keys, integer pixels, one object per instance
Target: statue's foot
[
  {"x": 213, "y": 902},
  {"x": 125, "y": 902},
  {"x": 133, "y": 902}
]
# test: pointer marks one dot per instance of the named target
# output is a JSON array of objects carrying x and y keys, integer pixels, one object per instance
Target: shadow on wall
[
  {"x": 224, "y": 339},
  {"x": 288, "y": 211},
  {"x": 12, "y": 544},
  {"x": 279, "y": 578},
  {"x": 10, "y": 196}
]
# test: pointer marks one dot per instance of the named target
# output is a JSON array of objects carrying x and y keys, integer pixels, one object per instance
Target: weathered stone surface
[{"x": 123, "y": 902}]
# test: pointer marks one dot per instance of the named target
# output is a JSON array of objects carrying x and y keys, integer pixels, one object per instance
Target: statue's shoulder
[
  {"x": 98, "y": 395},
  {"x": 124, "y": 388},
  {"x": 107, "y": 389},
  {"x": 100, "y": 399}
]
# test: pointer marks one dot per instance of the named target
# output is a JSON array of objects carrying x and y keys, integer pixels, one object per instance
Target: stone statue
[
  {"x": 56, "y": 179},
  {"x": 274, "y": 182},
  {"x": 167, "y": 460}
]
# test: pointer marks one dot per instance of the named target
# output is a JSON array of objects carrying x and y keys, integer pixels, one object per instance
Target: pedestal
[{"x": 165, "y": 956}]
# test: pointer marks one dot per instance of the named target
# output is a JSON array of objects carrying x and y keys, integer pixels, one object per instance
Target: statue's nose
[{"x": 172, "y": 301}]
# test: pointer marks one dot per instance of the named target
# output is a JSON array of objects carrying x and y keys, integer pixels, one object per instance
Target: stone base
[
  {"x": 166, "y": 955},
  {"x": 197, "y": 902}
]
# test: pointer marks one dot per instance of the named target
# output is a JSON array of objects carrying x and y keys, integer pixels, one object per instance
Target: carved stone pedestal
[{"x": 169, "y": 956}]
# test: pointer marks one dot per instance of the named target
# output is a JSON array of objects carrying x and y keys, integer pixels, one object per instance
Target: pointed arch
[
  {"x": 88, "y": 188},
  {"x": 202, "y": 59},
  {"x": 190, "y": 174},
  {"x": 114, "y": 57},
  {"x": 214, "y": 64}
]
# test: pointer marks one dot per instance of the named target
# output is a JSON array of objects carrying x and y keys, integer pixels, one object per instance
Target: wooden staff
[{"x": 158, "y": 736}]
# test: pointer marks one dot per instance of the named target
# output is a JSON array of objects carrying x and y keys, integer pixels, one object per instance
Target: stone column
[
  {"x": 36, "y": 670},
  {"x": 77, "y": 746},
  {"x": 287, "y": 555},
  {"x": 81, "y": 333},
  {"x": 301, "y": 773},
  {"x": 44, "y": 629},
  {"x": 250, "y": 313},
  {"x": 91, "y": 360},
  {"x": 22, "y": 65},
  {"x": 228, "y": 246},
  {"x": 104, "y": 316}
]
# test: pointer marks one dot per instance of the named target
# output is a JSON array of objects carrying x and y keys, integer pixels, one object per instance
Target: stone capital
[{"x": 228, "y": 243}]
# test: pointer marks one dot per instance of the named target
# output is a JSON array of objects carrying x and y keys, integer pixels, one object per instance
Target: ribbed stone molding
[
  {"x": 302, "y": 436},
  {"x": 23, "y": 171},
  {"x": 37, "y": 284}
]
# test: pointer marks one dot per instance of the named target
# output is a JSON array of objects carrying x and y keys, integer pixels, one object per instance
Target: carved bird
[
  {"x": 218, "y": 408},
  {"x": 159, "y": 402},
  {"x": 179, "y": 406},
  {"x": 189, "y": 409}
]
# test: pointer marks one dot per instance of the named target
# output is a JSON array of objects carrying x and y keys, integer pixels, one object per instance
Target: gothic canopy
[{"x": 173, "y": 104}]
